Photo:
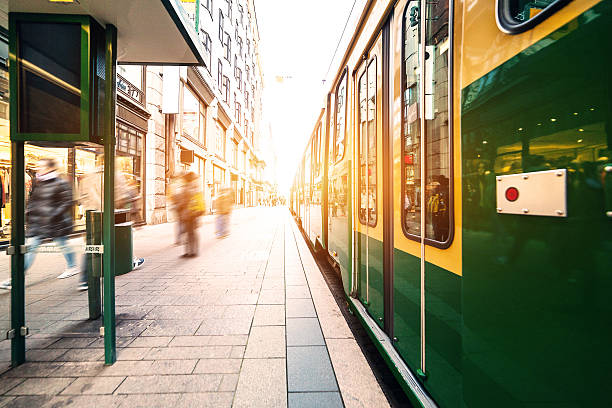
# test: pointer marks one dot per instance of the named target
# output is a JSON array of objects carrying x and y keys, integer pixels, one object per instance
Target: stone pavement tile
[
  {"x": 186, "y": 353},
  {"x": 132, "y": 312},
  {"x": 130, "y": 300},
  {"x": 159, "y": 341},
  {"x": 235, "y": 299},
  {"x": 184, "y": 312},
  {"x": 239, "y": 311},
  {"x": 121, "y": 342},
  {"x": 271, "y": 297},
  {"x": 131, "y": 328},
  {"x": 163, "y": 300},
  {"x": 132, "y": 353},
  {"x": 128, "y": 368},
  {"x": 262, "y": 383},
  {"x": 30, "y": 401},
  {"x": 207, "y": 400},
  {"x": 309, "y": 369},
  {"x": 45, "y": 354},
  {"x": 173, "y": 366},
  {"x": 357, "y": 383},
  {"x": 266, "y": 342},
  {"x": 6, "y": 401},
  {"x": 229, "y": 340},
  {"x": 172, "y": 328},
  {"x": 7, "y": 383},
  {"x": 155, "y": 384},
  {"x": 33, "y": 369},
  {"x": 300, "y": 308},
  {"x": 237, "y": 352},
  {"x": 215, "y": 327},
  {"x": 228, "y": 382},
  {"x": 304, "y": 332},
  {"x": 296, "y": 280},
  {"x": 93, "y": 354},
  {"x": 93, "y": 385},
  {"x": 218, "y": 366},
  {"x": 269, "y": 315},
  {"x": 188, "y": 341},
  {"x": 38, "y": 343},
  {"x": 315, "y": 399},
  {"x": 41, "y": 386},
  {"x": 80, "y": 369},
  {"x": 150, "y": 400},
  {"x": 85, "y": 401},
  {"x": 273, "y": 283},
  {"x": 298, "y": 292}
]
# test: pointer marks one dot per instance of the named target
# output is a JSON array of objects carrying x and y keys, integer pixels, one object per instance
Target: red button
[{"x": 512, "y": 194}]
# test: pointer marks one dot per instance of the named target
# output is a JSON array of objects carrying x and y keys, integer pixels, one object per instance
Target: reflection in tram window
[
  {"x": 367, "y": 145},
  {"x": 340, "y": 119},
  {"x": 437, "y": 138}
]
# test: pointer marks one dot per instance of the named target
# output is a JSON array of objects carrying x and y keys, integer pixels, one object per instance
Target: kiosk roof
[{"x": 155, "y": 32}]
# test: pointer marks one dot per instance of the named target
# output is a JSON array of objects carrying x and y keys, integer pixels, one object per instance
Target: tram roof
[{"x": 156, "y": 32}]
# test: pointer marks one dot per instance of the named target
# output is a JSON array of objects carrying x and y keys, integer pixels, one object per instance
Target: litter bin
[{"x": 123, "y": 254}]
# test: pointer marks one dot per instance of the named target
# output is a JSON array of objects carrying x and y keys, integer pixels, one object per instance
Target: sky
[{"x": 297, "y": 42}]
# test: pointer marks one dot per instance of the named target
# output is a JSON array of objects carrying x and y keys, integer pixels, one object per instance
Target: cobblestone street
[{"x": 248, "y": 323}]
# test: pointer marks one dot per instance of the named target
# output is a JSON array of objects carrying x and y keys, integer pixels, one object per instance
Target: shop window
[
  {"x": 517, "y": 16},
  {"x": 437, "y": 138},
  {"x": 220, "y": 141},
  {"x": 367, "y": 144}
]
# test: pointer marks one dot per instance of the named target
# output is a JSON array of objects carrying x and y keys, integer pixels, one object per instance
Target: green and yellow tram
[{"x": 460, "y": 177}]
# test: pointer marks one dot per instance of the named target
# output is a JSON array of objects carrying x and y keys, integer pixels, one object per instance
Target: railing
[{"x": 130, "y": 90}]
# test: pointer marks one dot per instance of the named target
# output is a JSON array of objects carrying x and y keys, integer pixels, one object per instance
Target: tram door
[{"x": 369, "y": 177}]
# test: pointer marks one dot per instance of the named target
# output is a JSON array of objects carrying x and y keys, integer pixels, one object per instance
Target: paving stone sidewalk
[{"x": 236, "y": 326}]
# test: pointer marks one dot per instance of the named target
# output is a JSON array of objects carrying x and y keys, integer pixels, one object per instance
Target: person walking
[
  {"x": 191, "y": 207},
  {"x": 49, "y": 217},
  {"x": 223, "y": 205}
]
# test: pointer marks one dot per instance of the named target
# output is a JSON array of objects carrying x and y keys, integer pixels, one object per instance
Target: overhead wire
[{"x": 340, "y": 39}]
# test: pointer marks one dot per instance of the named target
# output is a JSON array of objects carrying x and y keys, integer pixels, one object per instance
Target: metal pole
[
  {"x": 423, "y": 47},
  {"x": 17, "y": 257},
  {"x": 108, "y": 218}
]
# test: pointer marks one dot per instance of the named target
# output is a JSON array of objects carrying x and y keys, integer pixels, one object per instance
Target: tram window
[
  {"x": 438, "y": 205},
  {"x": 316, "y": 147},
  {"x": 517, "y": 16},
  {"x": 340, "y": 128},
  {"x": 367, "y": 145}
]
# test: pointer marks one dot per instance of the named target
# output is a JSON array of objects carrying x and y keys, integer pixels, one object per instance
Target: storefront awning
[{"x": 155, "y": 32}]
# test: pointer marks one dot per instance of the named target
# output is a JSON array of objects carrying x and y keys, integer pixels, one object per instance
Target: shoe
[
  {"x": 136, "y": 262},
  {"x": 83, "y": 286},
  {"x": 6, "y": 285},
  {"x": 69, "y": 272}
]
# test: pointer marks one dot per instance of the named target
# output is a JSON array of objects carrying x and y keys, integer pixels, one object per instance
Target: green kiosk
[{"x": 62, "y": 73}]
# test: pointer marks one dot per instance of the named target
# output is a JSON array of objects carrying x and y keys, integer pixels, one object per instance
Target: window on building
[
  {"x": 191, "y": 114},
  {"x": 226, "y": 89},
  {"x": 246, "y": 128},
  {"x": 366, "y": 120},
  {"x": 239, "y": 77},
  {"x": 208, "y": 5},
  {"x": 207, "y": 48},
  {"x": 220, "y": 141},
  {"x": 248, "y": 72},
  {"x": 221, "y": 26},
  {"x": 340, "y": 125},
  {"x": 248, "y": 47},
  {"x": 228, "y": 5},
  {"x": 220, "y": 73},
  {"x": 239, "y": 43},
  {"x": 246, "y": 99},
  {"x": 202, "y": 132},
  {"x": 437, "y": 202},
  {"x": 238, "y": 113},
  {"x": 235, "y": 154},
  {"x": 241, "y": 14},
  {"x": 228, "y": 47}
]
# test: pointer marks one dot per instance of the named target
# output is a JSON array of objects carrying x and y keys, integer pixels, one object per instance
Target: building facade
[{"x": 170, "y": 120}]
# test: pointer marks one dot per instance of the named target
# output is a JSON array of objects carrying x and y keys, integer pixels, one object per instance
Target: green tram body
[{"x": 525, "y": 317}]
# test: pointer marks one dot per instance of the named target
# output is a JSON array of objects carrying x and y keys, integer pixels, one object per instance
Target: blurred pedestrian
[
  {"x": 174, "y": 196},
  {"x": 91, "y": 197},
  {"x": 191, "y": 208},
  {"x": 223, "y": 207},
  {"x": 48, "y": 216}
]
